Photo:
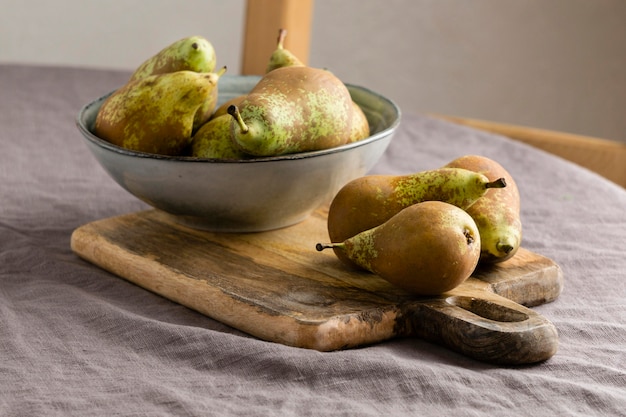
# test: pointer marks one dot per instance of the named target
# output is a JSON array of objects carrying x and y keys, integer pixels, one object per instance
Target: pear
[
  {"x": 360, "y": 125},
  {"x": 282, "y": 57},
  {"x": 193, "y": 53},
  {"x": 427, "y": 248},
  {"x": 293, "y": 109},
  {"x": 223, "y": 108},
  {"x": 154, "y": 114},
  {"x": 205, "y": 112},
  {"x": 369, "y": 201},
  {"x": 213, "y": 140},
  {"x": 497, "y": 213}
]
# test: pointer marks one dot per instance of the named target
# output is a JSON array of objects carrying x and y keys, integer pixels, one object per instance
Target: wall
[
  {"x": 555, "y": 64},
  {"x": 120, "y": 35}
]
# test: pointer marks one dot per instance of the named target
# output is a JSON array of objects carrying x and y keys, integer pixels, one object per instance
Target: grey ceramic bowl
[{"x": 248, "y": 195}]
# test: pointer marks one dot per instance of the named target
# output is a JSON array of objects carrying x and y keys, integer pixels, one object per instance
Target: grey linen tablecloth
[{"x": 78, "y": 341}]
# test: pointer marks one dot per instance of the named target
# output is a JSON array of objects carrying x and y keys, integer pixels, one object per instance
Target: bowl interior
[{"x": 383, "y": 116}]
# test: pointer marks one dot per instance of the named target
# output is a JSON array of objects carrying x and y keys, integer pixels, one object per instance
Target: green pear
[
  {"x": 427, "y": 248},
  {"x": 154, "y": 114},
  {"x": 205, "y": 112},
  {"x": 213, "y": 140},
  {"x": 223, "y": 108},
  {"x": 282, "y": 57},
  {"x": 497, "y": 213},
  {"x": 369, "y": 201},
  {"x": 193, "y": 53},
  {"x": 293, "y": 109}
]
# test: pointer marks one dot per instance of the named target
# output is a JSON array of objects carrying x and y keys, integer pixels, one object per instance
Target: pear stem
[
  {"x": 321, "y": 246},
  {"x": 221, "y": 71},
  {"x": 234, "y": 111},
  {"x": 499, "y": 183},
  {"x": 281, "y": 38}
]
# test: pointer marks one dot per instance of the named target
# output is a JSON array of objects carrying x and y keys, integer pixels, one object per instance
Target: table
[{"x": 76, "y": 340}]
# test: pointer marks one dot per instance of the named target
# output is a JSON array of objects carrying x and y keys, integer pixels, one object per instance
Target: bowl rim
[{"x": 102, "y": 143}]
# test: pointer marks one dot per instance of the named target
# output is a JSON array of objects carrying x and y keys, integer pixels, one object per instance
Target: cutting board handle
[{"x": 487, "y": 327}]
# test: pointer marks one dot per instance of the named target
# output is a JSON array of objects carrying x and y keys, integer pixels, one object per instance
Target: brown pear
[
  {"x": 293, "y": 109},
  {"x": 369, "y": 201},
  {"x": 427, "y": 248},
  {"x": 360, "y": 125},
  {"x": 497, "y": 213}
]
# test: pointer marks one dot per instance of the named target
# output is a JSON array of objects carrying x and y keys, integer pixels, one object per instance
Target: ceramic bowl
[{"x": 246, "y": 195}]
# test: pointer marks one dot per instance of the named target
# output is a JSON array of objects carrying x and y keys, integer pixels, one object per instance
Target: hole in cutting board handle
[{"x": 487, "y": 309}]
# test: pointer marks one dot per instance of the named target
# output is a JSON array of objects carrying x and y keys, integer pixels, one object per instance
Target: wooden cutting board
[{"x": 276, "y": 286}]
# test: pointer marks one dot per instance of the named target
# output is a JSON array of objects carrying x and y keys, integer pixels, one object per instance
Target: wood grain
[{"x": 276, "y": 286}]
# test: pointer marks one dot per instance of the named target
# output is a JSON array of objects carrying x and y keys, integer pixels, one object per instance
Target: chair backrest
[{"x": 263, "y": 20}]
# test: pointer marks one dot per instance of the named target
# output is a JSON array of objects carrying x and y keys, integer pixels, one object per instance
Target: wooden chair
[
  {"x": 605, "y": 157},
  {"x": 265, "y": 17}
]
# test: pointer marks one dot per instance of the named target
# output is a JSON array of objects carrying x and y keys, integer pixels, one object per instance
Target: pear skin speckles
[
  {"x": 363, "y": 250},
  {"x": 360, "y": 124},
  {"x": 154, "y": 114},
  {"x": 295, "y": 109},
  {"x": 213, "y": 141},
  {"x": 497, "y": 213}
]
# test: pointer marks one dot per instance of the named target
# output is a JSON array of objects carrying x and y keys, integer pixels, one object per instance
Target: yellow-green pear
[
  {"x": 193, "y": 53},
  {"x": 154, "y": 114},
  {"x": 497, "y": 213},
  {"x": 427, "y": 248},
  {"x": 213, "y": 140},
  {"x": 205, "y": 112},
  {"x": 282, "y": 57}
]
